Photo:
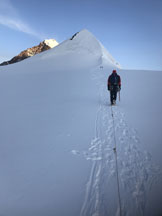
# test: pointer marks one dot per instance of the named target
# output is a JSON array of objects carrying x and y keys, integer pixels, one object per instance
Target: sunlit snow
[{"x": 58, "y": 134}]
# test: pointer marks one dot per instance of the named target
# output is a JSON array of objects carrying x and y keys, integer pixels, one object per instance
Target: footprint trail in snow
[{"x": 136, "y": 170}]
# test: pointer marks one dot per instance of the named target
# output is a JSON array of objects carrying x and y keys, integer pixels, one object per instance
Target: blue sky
[{"x": 131, "y": 30}]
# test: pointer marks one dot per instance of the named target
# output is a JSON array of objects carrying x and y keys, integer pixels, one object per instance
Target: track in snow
[{"x": 137, "y": 173}]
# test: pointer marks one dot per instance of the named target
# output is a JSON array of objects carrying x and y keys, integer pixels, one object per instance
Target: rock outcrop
[{"x": 45, "y": 45}]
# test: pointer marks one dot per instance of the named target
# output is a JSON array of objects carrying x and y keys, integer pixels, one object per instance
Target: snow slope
[{"x": 58, "y": 132}]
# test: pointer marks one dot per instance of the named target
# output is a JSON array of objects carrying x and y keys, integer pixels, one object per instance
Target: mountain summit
[
  {"x": 80, "y": 50},
  {"x": 44, "y": 45}
]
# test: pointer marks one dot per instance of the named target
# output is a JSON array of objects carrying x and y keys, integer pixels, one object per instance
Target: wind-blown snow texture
[{"x": 57, "y": 135}]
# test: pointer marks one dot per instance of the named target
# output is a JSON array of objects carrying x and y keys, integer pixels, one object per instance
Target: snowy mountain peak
[
  {"x": 51, "y": 42},
  {"x": 60, "y": 137},
  {"x": 87, "y": 40},
  {"x": 43, "y": 46},
  {"x": 81, "y": 49}
]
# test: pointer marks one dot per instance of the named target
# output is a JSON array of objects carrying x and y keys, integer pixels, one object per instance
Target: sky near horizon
[{"x": 131, "y": 30}]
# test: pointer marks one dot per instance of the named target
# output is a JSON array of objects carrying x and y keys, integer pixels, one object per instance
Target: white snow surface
[
  {"x": 51, "y": 42},
  {"x": 58, "y": 133}
]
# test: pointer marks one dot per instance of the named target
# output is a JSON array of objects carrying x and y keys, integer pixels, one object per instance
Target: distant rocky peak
[{"x": 43, "y": 46}]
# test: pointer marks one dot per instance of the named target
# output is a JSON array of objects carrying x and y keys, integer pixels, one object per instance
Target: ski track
[{"x": 136, "y": 170}]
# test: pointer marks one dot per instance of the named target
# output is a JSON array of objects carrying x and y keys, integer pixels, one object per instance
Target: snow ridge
[
  {"x": 84, "y": 48},
  {"x": 56, "y": 103}
]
